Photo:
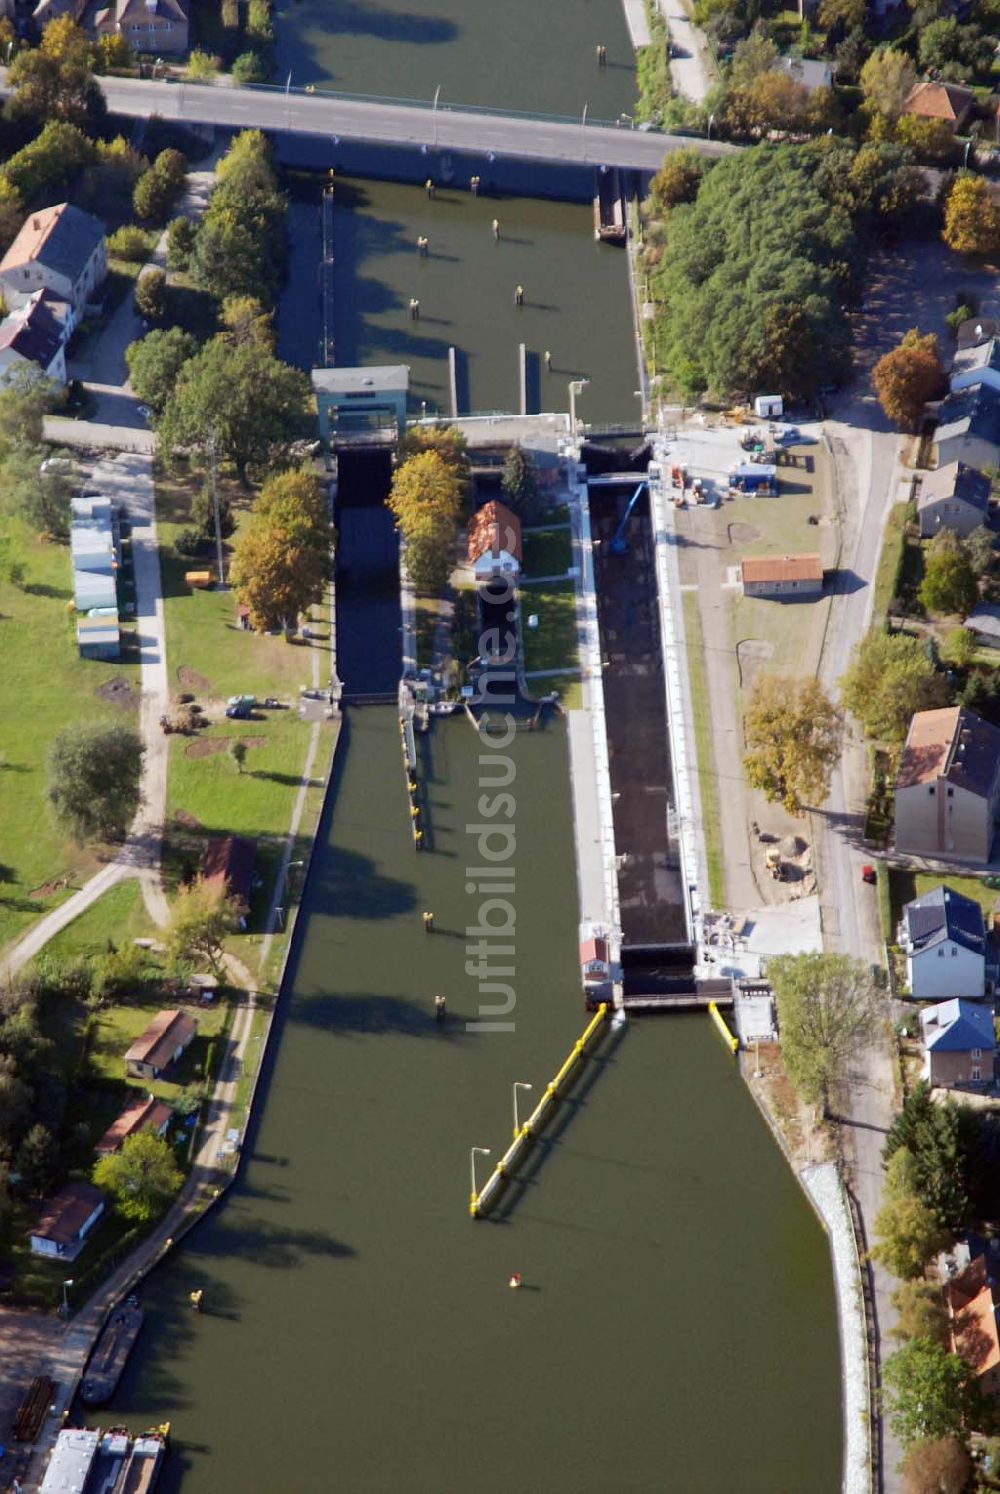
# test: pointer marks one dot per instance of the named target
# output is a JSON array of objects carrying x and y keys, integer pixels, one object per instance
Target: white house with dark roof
[
  {"x": 37, "y": 333},
  {"x": 968, "y": 427},
  {"x": 954, "y": 497},
  {"x": 959, "y": 1043},
  {"x": 948, "y": 786},
  {"x": 984, "y": 625},
  {"x": 60, "y": 249},
  {"x": 943, "y": 935}
]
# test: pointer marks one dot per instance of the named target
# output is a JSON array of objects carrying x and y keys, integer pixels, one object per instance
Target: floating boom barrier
[
  {"x": 410, "y": 769},
  {"x": 732, "y": 1043},
  {"x": 480, "y": 1203}
]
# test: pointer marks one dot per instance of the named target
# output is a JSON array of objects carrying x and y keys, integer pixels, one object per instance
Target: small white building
[
  {"x": 66, "y": 1221},
  {"x": 495, "y": 547},
  {"x": 943, "y": 935}
]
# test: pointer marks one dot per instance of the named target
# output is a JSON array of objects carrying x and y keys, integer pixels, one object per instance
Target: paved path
[
  {"x": 692, "y": 71},
  {"x": 388, "y": 122}
]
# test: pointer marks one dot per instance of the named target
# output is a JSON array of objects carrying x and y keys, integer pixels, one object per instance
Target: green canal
[
  {"x": 676, "y": 1330},
  {"x": 518, "y": 55},
  {"x": 576, "y": 296}
]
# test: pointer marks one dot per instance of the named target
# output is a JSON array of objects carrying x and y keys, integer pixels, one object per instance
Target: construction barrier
[
  {"x": 479, "y": 1203},
  {"x": 732, "y": 1043}
]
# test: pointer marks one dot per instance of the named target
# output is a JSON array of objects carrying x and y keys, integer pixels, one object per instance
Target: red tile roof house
[
  {"x": 66, "y": 1221},
  {"x": 495, "y": 547},
  {"x": 162, "y": 1044},
  {"x": 948, "y": 786},
  {"x": 972, "y": 1299},
  {"x": 782, "y": 577},
  {"x": 229, "y": 861},
  {"x": 147, "y": 1114},
  {"x": 946, "y": 101}
]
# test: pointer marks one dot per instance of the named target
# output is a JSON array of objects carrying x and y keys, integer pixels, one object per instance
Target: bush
[
  {"x": 248, "y": 68},
  {"x": 190, "y": 543},
  {"x": 180, "y": 243},
  {"x": 202, "y": 67},
  {"x": 151, "y": 296},
  {"x": 129, "y": 243}
]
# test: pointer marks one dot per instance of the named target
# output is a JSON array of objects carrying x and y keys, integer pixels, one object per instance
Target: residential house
[
  {"x": 977, "y": 363},
  {"x": 972, "y": 1299},
  {"x": 959, "y": 1045},
  {"x": 948, "y": 786},
  {"x": 229, "y": 862},
  {"x": 974, "y": 330},
  {"x": 140, "y": 1114},
  {"x": 948, "y": 102},
  {"x": 984, "y": 625},
  {"x": 159, "y": 27},
  {"x": 60, "y": 249},
  {"x": 162, "y": 1044},
  {"x": 943, "y": 935},
  {"x": 37, "y": 333},
  {"x": 782, "y": 577},
  {"x": 66, "y": 1221},
  {"x": 968, "y": 428},
  {"x": 495, "y": 546},
  {"x": 955, "y": 497}
]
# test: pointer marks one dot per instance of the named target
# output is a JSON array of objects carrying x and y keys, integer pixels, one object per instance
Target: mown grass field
[
  {"x": 553, "y": 643},
  {"x": 47, "y": 686}
]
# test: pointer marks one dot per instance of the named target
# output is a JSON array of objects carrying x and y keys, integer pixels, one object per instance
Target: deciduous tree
[
  {"x": 793, "y": 734},
  {"x": 929, "y": 1393},
  {"x": 937, "y": 1467},
  {"x": 958, "y": 648},
  {"x": 949, "y": 584},
  {"x": 920, "y": 1312},
  {"x": 151, "y": 295},
  {"x": 887, "y": 79},
  {"x": 201, "y": 917},
  {"x": 890, "y": 677},
  {"x": 971, "y": 218},
  {"x": 939, "y": 1154},
  {"x": 37, "y": 1157},
  {"x": 827, "y": 1007},
  {"x": 142, "y": 1177},
  {"x": 154, "y": 363},
  {"x": 908, "y": 1231},
  {"x": 426, "y": 501},
  {"x": 677, "y": 181},
  {"x": 907, "y": 377},
  {"x": 281, "y": 558},
  {"x": 253, "y": 405},
  {"x": 42, "y": 499},
  {"x": 93, "y": 780},
  {"x": 244, "y": 320}
]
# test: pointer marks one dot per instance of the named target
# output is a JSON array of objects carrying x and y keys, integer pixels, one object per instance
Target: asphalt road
[{"x": 386, "y": 122}]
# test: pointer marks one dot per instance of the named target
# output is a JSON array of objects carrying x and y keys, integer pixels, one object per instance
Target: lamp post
[
  {"x": 518, "y": 1084},
  {"x": 576, "y": 387},
  {"x": 711, "y": 122},
  {"x": 434, "y": 107},
  {"x": 481, "y": 1151},
  {"x": 65, "y": 1300}
]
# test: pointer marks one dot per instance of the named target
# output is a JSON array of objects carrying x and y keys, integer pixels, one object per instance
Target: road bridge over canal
[{"x": 392, "y": 122}]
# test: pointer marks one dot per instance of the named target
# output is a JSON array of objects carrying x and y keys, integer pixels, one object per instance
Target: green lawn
[
  {"x": 547, "y": 552},
  {"x": 119, "y": 1025},
  {"x": 46, "y": 687},
  {"x": 426, "y": 623},
  {"x": 553, "y": 643},
  {"x": 890, "y": 560},
  {"x": 707, "y": 782},
  {"x": 120, "y": 915}
]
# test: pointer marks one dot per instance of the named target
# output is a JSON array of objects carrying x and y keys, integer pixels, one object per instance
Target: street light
[
  {"x": 577, "y": 386},
  {"x": 434, "y": 106},
  {"x": 711, "y": 122},
  {"x": 518, "y": 1084},
  {"x": 65, "y": 1299},
  {"x": 482, "y": 1151}
]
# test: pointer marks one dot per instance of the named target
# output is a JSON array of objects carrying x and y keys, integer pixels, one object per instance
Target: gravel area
[{"x": 826, "y": 1191}]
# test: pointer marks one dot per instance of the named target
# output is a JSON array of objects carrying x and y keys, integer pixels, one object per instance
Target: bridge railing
[{"x": 335, "y": 95}]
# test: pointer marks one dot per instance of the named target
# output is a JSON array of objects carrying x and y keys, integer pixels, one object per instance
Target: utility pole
[{"x": 215, "y": 512}]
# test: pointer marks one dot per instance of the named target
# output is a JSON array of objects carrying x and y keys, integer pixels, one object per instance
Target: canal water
[
  {"x": 576, "y": 296},
  {"x": 518, "y": 55},
  {"x": 676, "y": 1327}
]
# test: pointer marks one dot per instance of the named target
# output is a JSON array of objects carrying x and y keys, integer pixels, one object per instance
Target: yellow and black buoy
[
  {"x": 428, "y": 923},
  {"x": 195, "y": 1299}
]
